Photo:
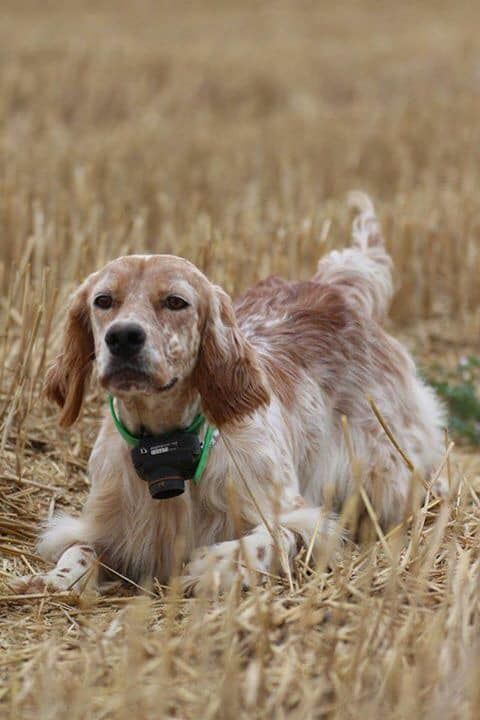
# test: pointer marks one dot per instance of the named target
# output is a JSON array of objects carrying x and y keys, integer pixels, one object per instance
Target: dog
[{"x": 268, "y": 380}]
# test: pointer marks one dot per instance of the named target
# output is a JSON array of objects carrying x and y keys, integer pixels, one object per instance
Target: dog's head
[{"x": 152, "y": 323}]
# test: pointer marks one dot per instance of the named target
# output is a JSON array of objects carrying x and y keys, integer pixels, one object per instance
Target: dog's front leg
[
  {"x": 214, "y": 569},
  {"x": 76, "y": 569},
  {"x": 65, "y": 541},
  {"x": 264, "y": 552}
]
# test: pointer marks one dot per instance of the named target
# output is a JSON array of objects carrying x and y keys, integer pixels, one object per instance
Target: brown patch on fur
[
  {"x": 87, "y": 549},
  {"x": 299, "y": 502},
  {"x": 261, "y": 552},
  {"x": 67, "y": 378},
  {"x": 227, "y": 375},
  {"x": 309, "y": 328},
  {"x": 297, "y": 321}
]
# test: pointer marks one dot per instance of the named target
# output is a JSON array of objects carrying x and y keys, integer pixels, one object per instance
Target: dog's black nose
[{"x": 125, "y": 339}]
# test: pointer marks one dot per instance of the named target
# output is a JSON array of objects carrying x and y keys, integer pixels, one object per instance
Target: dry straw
[{"x": 230, "y": 133}]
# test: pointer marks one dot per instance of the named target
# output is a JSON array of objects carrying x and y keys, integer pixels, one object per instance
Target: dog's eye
[
  {"x": 173, "y": 302},
  {"x": 104, "y": 302}
]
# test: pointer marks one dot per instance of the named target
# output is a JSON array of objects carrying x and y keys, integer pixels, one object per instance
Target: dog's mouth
[{"x": 130, "y": 379}]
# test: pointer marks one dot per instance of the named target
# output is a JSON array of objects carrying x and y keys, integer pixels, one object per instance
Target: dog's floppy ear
[
  {"x": 227, "y": 375},
  {"x": 67, "y": 377}
]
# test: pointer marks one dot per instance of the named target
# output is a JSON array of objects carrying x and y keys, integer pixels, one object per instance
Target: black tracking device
[{"x": 166, "y": 462}]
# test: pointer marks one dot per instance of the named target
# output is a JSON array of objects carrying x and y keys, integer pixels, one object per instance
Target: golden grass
[{"x": 230, "y": 133}]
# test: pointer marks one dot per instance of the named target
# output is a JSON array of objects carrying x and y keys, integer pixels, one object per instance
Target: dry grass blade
[{"x": 390, "y": 435}]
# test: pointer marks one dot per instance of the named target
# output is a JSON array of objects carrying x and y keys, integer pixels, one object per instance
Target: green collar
[{"x": 197, "y": 423}]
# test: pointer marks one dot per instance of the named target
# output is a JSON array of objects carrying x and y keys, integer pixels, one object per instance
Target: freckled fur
[{"x": 275, "y": 373}]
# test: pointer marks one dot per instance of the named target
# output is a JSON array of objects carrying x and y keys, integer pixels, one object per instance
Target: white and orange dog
[{"x": 274, "y": 374}]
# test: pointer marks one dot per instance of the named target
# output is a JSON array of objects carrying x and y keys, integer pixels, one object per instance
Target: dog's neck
[{"x": 159, "y": 413}]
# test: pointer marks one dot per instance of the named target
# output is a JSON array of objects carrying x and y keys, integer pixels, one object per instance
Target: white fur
[
  {"x": 59, "y": 533},
  {"x": 270, "y": 475},
  {"x": 75, "y": 570}
]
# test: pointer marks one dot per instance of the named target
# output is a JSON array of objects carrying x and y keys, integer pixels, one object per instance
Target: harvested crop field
[{"x": 230, "y": 133}]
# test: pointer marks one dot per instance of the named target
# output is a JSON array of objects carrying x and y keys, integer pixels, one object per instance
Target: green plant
[{"x": 458, "y": 387}]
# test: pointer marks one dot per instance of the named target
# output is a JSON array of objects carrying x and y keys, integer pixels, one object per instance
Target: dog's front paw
[
  {"x": 214, "y": 570},
  {"x": 27, "y": 584},
  {"x": 75, "y": 570},
  {"x": 42, "y": 583}
]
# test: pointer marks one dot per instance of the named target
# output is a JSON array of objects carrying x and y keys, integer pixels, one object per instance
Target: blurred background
[{"x": 230, "y": 133}]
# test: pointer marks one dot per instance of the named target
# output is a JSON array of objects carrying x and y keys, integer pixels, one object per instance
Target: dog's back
[{"x": 327, "y": 334}]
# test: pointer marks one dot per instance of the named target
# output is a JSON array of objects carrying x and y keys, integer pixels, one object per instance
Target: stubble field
[{"x": 230, "y": 133}]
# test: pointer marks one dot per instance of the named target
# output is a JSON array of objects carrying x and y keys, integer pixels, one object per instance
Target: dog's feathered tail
[{"x": 362, "y": 272}]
